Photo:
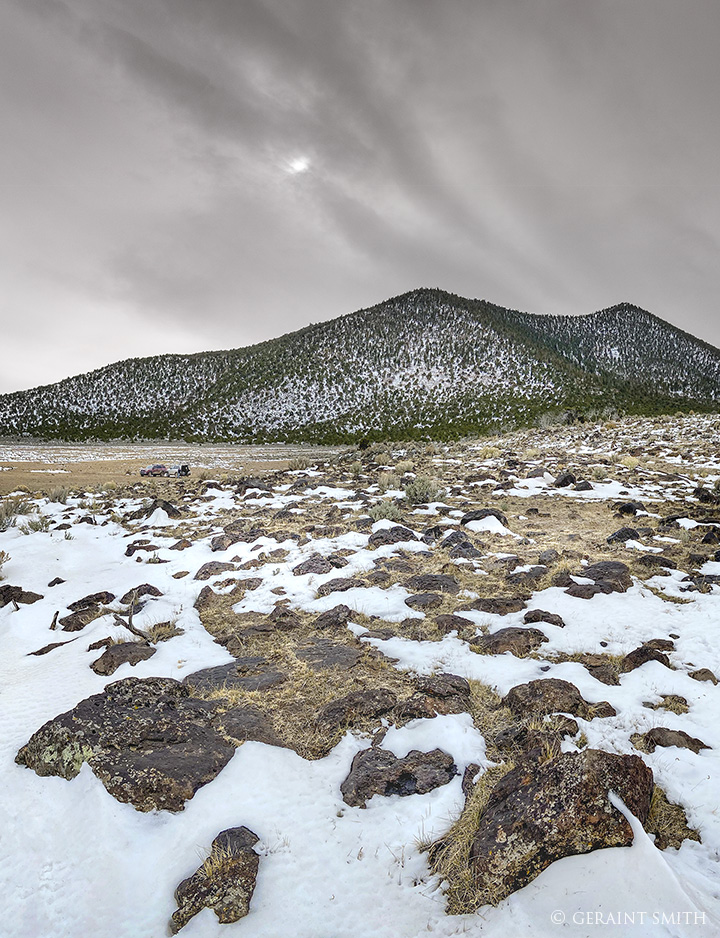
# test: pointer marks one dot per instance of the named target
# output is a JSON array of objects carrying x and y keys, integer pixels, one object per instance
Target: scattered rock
[
  {"x": 548, "y": 557},
  {"x": 224, "y": 883},
  {"x": 182, "y": 544},
  {"x": 212, "y": 568},
  {"x": 170, "y": 510},
  {"x": 379, "y": 772},
  {"x": 321, "y": 654},
  {"x": 356, "y": 705},
  {"x": 539, "y": 615},
  {"x": 481, "y": 513},
  {"x": 624, "y": 534},
  {"x": 56, "y": 581},
  {"x": 527, "y": 577},
  {"x": 314, "y": 564},
  {"x": 583, "y": 486},
  {"x": 250, "y": 673},
  {"x": 16, "y": 594},
  {"x": 704, "y": 674},
  {"x": 433, "y": 583},
  {"x": 223, "y": 541},
  {"x": 640, "y": 656},
  {"x": 564, "y": 480},
  {"x": 551, "y": 695},
  {"x": 77, "y": 621},
  {"x": 498, "y": 606},
  {"x": 339, "y": 585},
  {"x": 444, "y": 685},
  {"x": 611, "y": 572},
  {"x": 520, "y": 642},
  {"x": 452, "y": 623},
  {"x": 395, "y": 535},
  {"x": 147, "y": 740},
  {"x": 126, "y": 653},
  {"x": 248, "y": 723},
  {"x": 145, "y": 589},
  {"x": 662, "y": 736},
  {"x": 539, "y": 813},
  {"x": 335, "y": 618},
  {"x": 424, "y": 601}
]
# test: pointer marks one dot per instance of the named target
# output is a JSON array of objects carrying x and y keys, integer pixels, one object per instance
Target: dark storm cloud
[{"x": 192, "y": 174}]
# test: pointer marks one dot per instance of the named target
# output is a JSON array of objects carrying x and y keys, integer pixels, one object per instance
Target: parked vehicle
[
  {"x": 179, "y": 471},
  {"x": 156, "y": 470}
]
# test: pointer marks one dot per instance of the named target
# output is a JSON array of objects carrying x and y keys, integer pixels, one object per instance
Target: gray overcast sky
[{"x": 180, "y": 175}]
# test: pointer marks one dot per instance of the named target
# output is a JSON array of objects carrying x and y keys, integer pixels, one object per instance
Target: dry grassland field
[
  {"x": 43, "y": 467},
  {"x": 449, "y": 689}
]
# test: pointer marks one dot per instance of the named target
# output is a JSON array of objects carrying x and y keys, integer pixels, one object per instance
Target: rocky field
[{"x": 427, "y": 689}]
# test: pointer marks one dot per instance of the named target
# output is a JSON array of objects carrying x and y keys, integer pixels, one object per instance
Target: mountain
[{"x": 424, "y": 364}]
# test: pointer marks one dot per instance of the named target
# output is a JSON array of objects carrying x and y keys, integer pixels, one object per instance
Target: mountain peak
[{"x": 426, "y": 363}]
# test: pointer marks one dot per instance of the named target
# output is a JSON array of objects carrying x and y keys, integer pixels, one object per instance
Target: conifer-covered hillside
[{"x": 427, "y": 363}]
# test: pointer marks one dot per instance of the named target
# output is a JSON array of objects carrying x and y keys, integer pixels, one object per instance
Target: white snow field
[{"x": 75, "y": 862}]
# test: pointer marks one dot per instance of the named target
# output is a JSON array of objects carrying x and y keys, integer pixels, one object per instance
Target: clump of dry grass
[
  {"x": 450, "y": 856},
  {"x": 163, "y": 631},
  {"x": 668, "y": 822}
]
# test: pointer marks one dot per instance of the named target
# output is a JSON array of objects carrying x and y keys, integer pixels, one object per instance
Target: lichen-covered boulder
[
  {"x": 147, "y": 740},
  {"x": 224, "y": 883},
  {"x": 538, "y": 813}
]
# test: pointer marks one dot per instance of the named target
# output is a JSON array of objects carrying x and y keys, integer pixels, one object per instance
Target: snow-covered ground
[{"x": 76, "y": 862}]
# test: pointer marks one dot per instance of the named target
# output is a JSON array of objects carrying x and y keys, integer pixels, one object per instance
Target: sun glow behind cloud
[{"x": 297, "y": 165}]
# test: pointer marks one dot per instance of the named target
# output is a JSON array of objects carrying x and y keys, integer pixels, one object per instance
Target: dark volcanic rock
[
  {"x": 353, "y": 706},
  {"x": 452, "y": 623},
  {"x": 548, "y": 557},
  {"x": 564, "y": 480},
  {"x": 518, "y": 641},
  {"x": 583, "y": 486},
  {"x": 527, "y": 577},
  {"x": 321, "y": 653},
  {"x": 539, "y": 615},
  {"x": 498, "y": 605},
  {"x": 624, "y": 534},
  {"x": 103, "y": 598},
  {"x": 223, "y": 541},
  {"x": 481, "y": 513},
  {"x": 145, "y": 589},
  {"x": 335, "y": 618},
  {"x": 314, "y": 564},
  {"x": 538, "y": 813},
  {"x": 243, "y": 673},
  {"x": 339, "y": 585},
  {"x": 147, "y": 741},
  {"x": 17, "y": 594},
  {"x": 395, "y": 535},
  {"x": 640, "y": 656},
  {"x": 224, "y": 883},
  {"x": 379, "y": 772},
  {"x": 586, "y": 590},
  {"x": 248, "y": 723},
  {"x": 661, "y": 736},
  {"x": 424, "y": 601},
  {"x": 212, "y": 568},
  {"x": 551, "y": 695},
  {"x": 78, "y": 620},
  {"x": 704, "y": 674},
  {"x": 546, "y": 736},
  {"x": 611, "y": 572},
  {"x": 443, "y": 684},
  {"x": 116, "y": 655},
  {"x": 454, "y": 539},
  {"x": 433, "y": 583},
  {"x": 170, "y": 510}
]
